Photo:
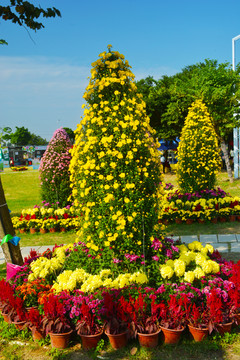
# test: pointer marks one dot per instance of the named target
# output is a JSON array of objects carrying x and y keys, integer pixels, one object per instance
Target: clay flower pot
[
  {"x": 189, "y": 221},
  {"x": 52, "y": 230},
  {"x": 148, "y": 340},
  {"x": 232, "y": 218},
  {"x": 172, "y": 336},
  {"x": 118, "y": 340},
  {"x": 90, "y": 341},
  {"x": 223, "y": 328},
  {"x": 43, "y": 231},
  {"x": 60, "y": 341},
  {"x": 33, "y": 231},
  {"x": 6, "y": 318},
  {"x": 178, "y": 221},
  {"x": 37, "y": 335},
  {"x": 198, "y": 333},
  {"x": 214, "y": 220}
]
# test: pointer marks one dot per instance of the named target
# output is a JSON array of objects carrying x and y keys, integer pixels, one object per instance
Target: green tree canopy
[
  {"x": 169, "y": 99},
  {"x": 22, "y": 136}
]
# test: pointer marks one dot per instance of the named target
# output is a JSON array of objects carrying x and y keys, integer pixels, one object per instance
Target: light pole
[{"x": 236, "y": 132}]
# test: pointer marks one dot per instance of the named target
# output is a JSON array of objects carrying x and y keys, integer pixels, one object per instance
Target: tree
[
  {"x": 70, "y": 133},
  {"x": 37, "y": 140},
  {"x": 216, "y": 84},
  {"x": 21, "y": 136},
  {"x": 26, "y": 14},
  {"x": 5, "y": 135},
  {"x": 54, "y": 169},
  {"x": 115, "y": 166},
  {"x": 198, "y": 152}
]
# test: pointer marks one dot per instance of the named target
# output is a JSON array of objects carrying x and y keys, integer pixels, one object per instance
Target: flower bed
[
  {"x": 19, "y": 168},
  {"x": 179, "y": 285},
  {"x": 47, "y": 218},
  {"x": 200, "y": 206}
]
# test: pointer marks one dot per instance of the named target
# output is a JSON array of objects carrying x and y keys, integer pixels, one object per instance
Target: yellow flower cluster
[
  {"x": 194, "y": 256},
  {"x": 115, "y": 166},
  {"x": 79, "y": 279},
  {"x": 43, "y": 267},
  {"x": 198, "y": 152}
]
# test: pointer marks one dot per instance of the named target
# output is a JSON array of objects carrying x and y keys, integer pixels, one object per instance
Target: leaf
[
  {"x": 133, "y": 351},
  {"x": 3, "y": 42}
]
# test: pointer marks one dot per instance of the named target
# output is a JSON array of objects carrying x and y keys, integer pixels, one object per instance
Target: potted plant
[
  {"x": 89, "y": 325},
  {"x": 35, "y": 323},
  {"x": 56, "y": 322},
  {"x": 17, "y": 314},
  {"x": 198, "y": 321},
  {"x": 115, "y": 319},
  {"x": 221, "y": 312},
  {"x": 172, "y": 317},
  {"x": 145, "y": 318}
]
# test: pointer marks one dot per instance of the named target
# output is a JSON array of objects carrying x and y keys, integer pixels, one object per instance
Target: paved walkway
[{"x": 223, "y": 243}]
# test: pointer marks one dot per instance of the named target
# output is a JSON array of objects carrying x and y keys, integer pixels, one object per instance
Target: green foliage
[
  {"x": 26, "y": 14},
  {"x": 198, "y": 152},
  {"x": 21, "y": 136},
  {"x": 169, "y": 98},
  {"x": 115, "y": 169},
  {"x": 54, "y": 169}
]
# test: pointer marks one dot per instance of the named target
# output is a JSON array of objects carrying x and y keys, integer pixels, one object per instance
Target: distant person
[{"x": 163, "y": 160}]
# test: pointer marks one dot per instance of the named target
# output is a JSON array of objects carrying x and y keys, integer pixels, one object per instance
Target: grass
[{"x": 22, "y": 191}]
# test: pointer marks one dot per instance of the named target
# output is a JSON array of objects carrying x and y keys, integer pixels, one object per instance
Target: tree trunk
[
  {"x": 227, "y": 161},
  {"x": 11, "y": 252}
]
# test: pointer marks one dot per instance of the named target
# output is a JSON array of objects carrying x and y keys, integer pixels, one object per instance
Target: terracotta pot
[
  {"x": 33, "y": 230},
  {"x": 201, "y": 221},
  {"x": 62, "y": 229},
  {"x": 178, "y": 221},
  {"x": 19, "y": 324},
  {"x": 238, "y": 217},
  {"x": 149, "y": 340},
  {"x": 222, "y": 219},
  {"x": 6, "y": 318},
  {"x": 60, "y": 341},
  {"x": 189, "y": 221},
  {"x": 52, "y": 230},
  {"x": 223, "y": 328},
  {"x": 22, "y": 231},
  {"x": 214, "y": 220},
  {"x": 198, "y": 333},
  {"x": 37, "y": 335},
  {"x": 117, "y": 341},
  {"x": 172, "y": 336},
  {"x": 90, "y": 341},
  {"x": 43, "y": 231},
  {"x": 232, "y": 218}
]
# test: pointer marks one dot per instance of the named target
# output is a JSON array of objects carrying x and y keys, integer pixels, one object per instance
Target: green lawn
[{"x": 22, "y": 191}]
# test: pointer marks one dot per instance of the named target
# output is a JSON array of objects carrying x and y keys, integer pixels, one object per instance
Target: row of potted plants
[
  {"x": 208, "y": 205},
  {"x": 47, "y": 217},
  {"x": 211, "y": 300},
  {"x": 131, "y": 311}
]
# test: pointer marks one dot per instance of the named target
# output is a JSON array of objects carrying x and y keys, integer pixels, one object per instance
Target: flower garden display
[
  {"x": 54, "y": 169},
  {"x": 207, "y": 205},
  {"x": 122, "y": 276},
  {"x": 198, "y": 151},
  {"x": 44, "y": 218}
]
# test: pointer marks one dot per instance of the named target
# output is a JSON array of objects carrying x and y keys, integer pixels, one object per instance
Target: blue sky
[{"x": 43, "y": 79}]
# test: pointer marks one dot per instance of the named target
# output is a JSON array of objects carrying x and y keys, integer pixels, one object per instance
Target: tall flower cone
[
  {"x": 198, "y": 151},
  {"x": 115, "y": 166}
]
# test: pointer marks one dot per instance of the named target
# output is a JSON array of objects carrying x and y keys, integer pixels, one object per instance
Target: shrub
[
  {"x": 115, "y": 166},
  {"x": 198, "y": 151},
  {"x": 54, "y": 169}
]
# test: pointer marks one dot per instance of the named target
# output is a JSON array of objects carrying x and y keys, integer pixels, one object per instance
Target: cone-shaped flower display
[
  {"x": 198, "y": 151},
  {"x": 54, "y": 169},
  {"x": 115, "y": 168}
]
